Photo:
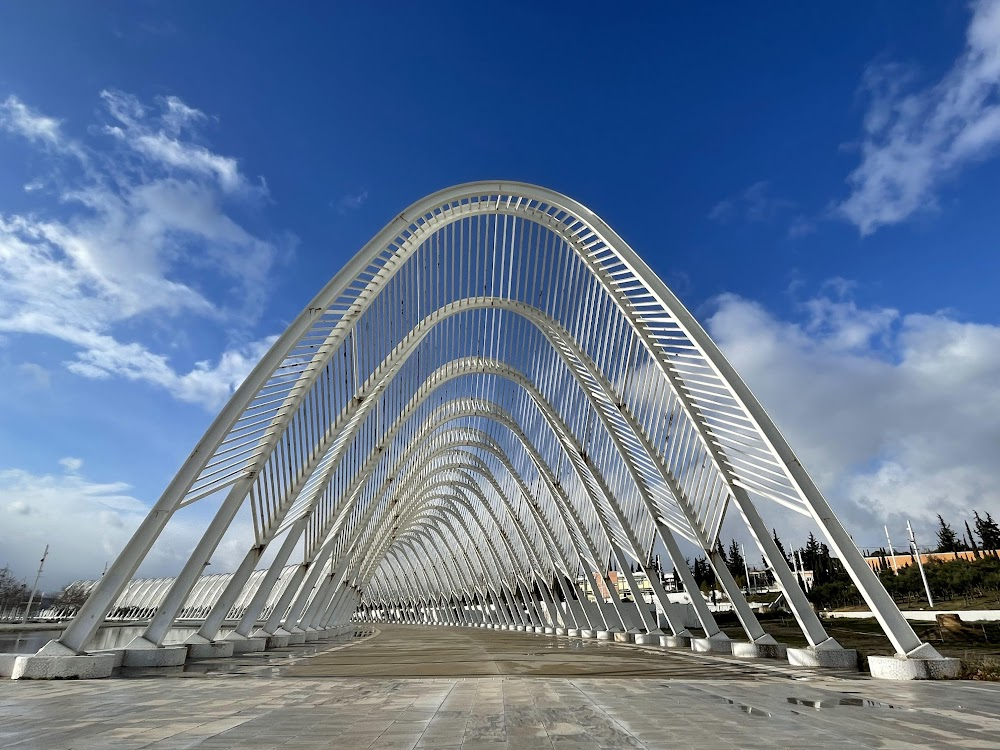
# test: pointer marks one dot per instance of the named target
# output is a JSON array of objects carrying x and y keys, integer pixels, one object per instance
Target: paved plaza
[{"x": 419, "y": 687}]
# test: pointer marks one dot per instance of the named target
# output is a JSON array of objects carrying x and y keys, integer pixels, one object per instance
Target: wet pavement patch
[{"x": 839, "y": 702}]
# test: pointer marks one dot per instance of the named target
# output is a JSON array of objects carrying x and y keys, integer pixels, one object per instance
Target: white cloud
[
  {"x": 916, "y": 139},
  {"x": 71, "y": 464},
  {"x": 86, "y": 524},
  {"x": 756, "y": 204},
  {"x": 206, "y": 383},
  {"x": 34, "y": 375},
  {"x": 158, "y": 140},
  {"x": 352, "y": 201},
  {"x": 140, "y": 236},
  {"x": 801, "y": 227},
  {"x": 894, "y": 415},
  {"x": 17, "y": 117}
]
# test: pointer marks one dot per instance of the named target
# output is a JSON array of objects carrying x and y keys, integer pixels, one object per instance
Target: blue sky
[{"x": 817, "y": 182}]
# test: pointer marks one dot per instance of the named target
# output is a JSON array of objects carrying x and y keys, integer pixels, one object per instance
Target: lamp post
[
  {"x": 920, "y": 563},
  {"x": 34, "y": 586}
]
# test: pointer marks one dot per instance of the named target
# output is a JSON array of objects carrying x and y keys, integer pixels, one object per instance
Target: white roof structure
[{"x": 494, "y": 395}]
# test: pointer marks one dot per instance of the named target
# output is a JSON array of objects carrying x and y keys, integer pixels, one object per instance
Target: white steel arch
[{"x": 494, "y": 396}]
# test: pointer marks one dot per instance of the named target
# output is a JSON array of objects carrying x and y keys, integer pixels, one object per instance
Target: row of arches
[{"x": 493, "y": 399}]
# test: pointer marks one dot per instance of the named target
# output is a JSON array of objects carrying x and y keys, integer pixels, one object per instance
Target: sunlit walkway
[
  {"x": 407, "y": 687},
  {"x": 421, "y": 651}
]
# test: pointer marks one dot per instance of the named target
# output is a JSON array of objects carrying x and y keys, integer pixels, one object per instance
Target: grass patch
[{"x": 980, "y": 667}]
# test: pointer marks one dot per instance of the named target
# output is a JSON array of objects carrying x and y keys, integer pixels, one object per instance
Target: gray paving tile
[{"x": 689, "y": 704}]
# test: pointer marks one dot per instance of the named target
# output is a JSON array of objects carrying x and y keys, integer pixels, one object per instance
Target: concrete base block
[
  {"x": 310, "y": 636},
  {"x": 606, "y": 635},
  {"x": 165, "y": 656},
  {"x": 647, "y": 639},
  {"x": 560, "y": 631},
  {"x": 549, "y": 630},
  {"x": 573, "y": 632},
  {"x": 711, "y": 646},
  {"x": 835, "y": 658},
  {"x": 587, "y": 633},
  {"x": 539, "y": 629},
  {"x": 7, "y": 664},
  {"x": 894, "y": 668},
  {"x": 675, "y": 641},
  {"x": 277, "y": 641},
  {"x": 210, "y": 650},
  {"x": 625, "y": 637},
  {"x": 117, "y": 653},
  {"x": 32, "y": 667},
  {"x": 296, "y": 638},
  {"x": 249, "y": 645},
  {"x": 759, "y": 650}
]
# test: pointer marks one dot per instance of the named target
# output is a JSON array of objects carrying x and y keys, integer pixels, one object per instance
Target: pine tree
[
  {"x": 989, "y": 532},
  {"x": 811, "y": 553},
  {"x": 734, "y": 561},
  {"x": 702, "y": 573},
  {"x": 972, "y": 541},
  {"x": 947, "y": 539},
  {"x": 781, "y": 548}
]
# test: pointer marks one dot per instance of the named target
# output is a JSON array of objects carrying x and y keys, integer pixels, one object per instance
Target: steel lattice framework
[{"x": 494, "y": 396}]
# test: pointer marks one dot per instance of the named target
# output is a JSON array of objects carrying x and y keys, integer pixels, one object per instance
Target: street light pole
[
  {"x": 34, "y": 586},
  {"x": 920, "y": 563},
  {"x": 892, "y": 552}
]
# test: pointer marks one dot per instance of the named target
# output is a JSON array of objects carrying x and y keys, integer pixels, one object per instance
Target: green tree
[
  {"x": 972, "y": 541},
  {"x": 989, "y": 532},
  {"x": 781, "y": 548},
  {"x": 812, "y": 553},
  {"x": 72, "y": 596},
  {"x": 721, "y": 551},
  {"x": 735, "y": 563},
  {"x": 12, "y": 591},
  {"x": 703, "y": 574},
  {"x": 947, "y": 539}
]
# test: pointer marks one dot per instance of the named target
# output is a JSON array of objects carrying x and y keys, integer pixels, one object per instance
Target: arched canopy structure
[{"x": 495, "y": 397}]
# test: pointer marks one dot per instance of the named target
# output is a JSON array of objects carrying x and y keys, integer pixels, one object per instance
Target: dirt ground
[{"x": 975, "y": 640}]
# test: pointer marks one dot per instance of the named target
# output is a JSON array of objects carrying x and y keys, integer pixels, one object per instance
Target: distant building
[{"x": 621, "y": 586}]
